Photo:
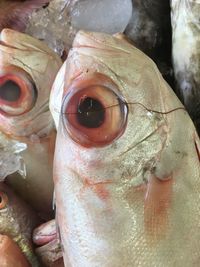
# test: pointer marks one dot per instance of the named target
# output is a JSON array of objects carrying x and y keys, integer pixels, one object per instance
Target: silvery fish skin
[
  {"x": 27, "y": 71},
  {"x": 186, "y": 53},
  {"x": 133, "y": 200},
  {"x": 17, "y": 220}
]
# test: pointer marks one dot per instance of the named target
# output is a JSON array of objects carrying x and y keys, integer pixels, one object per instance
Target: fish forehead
[
  {"x": 135, "y": 74},
  {"x": 28, "y": 53}
]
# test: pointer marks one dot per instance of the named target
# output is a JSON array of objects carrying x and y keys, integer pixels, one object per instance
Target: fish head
[
  {"x": 121, "y": 170},
  {"x": 28, "y": 68},
  {"x": 108, "y": 80}
]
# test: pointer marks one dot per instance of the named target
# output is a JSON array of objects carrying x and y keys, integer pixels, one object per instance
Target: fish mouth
[{"x": 48, "y": 245}]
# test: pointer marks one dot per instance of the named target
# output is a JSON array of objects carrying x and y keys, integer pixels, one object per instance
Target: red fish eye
[
  {"x": 3, "y": 200},
  {"x": 17, "y": 92},
  {"x": 94, "y": 116}
]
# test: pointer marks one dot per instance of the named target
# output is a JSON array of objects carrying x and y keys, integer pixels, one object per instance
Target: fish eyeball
[
  {"x": 94, "y": 116},
  {"x": 18, "y": 92},
  {"x": 3, "y": 200}
]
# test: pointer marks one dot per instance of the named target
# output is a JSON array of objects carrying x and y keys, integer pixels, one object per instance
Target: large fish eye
[
  {"x": 94, "y": 116},
  {"x": 90, "y": 112},
  {"x": 17, "y": 92},
  {"x": 3, "y": 200}
]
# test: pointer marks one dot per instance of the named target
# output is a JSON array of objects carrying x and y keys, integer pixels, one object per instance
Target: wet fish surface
[
  {"x": 17, "y": 221},
  {"x": 126, "y": 169},
  {"x": 27, "y": 71},
  {"x": 186, "y": 54},
  {"x": 10, "y": 253}
]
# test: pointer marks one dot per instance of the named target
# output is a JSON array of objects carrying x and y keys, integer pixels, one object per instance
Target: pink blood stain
[
  {"x": 156, "y": 207},
  {"x": 98, "y": 187}
]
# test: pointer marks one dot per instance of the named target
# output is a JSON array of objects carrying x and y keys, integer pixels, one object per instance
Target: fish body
[
  {"x": 27, "y": 71},
  {"x": 186, "y": 54},
  {"x": 17, "y": 221},
  {"x": 126, "y": 169}
]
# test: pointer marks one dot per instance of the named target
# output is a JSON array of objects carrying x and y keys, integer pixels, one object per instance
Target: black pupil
[
  {"x": 91, "y": 113},
  {"x": 10, "y": 91},
  {"x": 1, "y": 199}
]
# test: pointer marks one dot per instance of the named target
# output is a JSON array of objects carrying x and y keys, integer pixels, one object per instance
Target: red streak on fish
[
  {"x": 157, "y": 203},
  {"x": 99, "y": 188}
]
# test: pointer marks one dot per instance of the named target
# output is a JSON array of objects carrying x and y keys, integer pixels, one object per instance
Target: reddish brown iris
[
  {"x": 94, "y": 116},
  {"x": 17, "y": 92},
  {"x": 3, "y": 200}
]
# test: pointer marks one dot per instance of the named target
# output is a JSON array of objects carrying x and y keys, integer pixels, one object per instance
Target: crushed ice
[
  {"x": 58, "y": 23},
  {"x": 10, "y": 158}
]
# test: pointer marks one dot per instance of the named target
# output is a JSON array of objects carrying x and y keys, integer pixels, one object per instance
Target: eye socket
[
  {"x": 3, "y": 200},
  {"x": 18, "y": 92},
  {"x": 94, "y": 116}
]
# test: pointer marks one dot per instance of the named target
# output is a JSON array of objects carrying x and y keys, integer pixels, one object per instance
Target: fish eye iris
[
  {"x": 90, "y": 112},
  {"x": 18, "y": 93},
  {"x": 94, "y": 116},
  {"x": 10, "y": 91},
  {"x": 3, "y": 200}
]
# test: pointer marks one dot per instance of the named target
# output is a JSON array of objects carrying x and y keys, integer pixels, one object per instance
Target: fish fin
[
  {"x": 156, "y": 207},
  {"x": 14, "y": 14}
]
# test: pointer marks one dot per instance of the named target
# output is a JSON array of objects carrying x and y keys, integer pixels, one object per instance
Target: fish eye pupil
[
  {"x": 10, "y": 91},
  {"x": 90, "y": 112},
  {"x": 1, "y": 199}
]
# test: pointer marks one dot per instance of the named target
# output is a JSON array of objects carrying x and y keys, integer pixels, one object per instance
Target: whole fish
[
  {"x": 10, "y": 253},
  {"x": 27, "y": 71},
  {"x": 126, "y": 170},
  {"x": 186, "y": 54},
  {"x": 17, "y": 221},
  {"x": 15, "y": 13}
]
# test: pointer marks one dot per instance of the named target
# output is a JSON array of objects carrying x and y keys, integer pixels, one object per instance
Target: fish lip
[
  {"x": 45, "y": 233},
  {"x": 44, "y": 239}
]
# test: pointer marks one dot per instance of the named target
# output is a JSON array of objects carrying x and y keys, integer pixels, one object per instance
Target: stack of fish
[{"x": 89, "y": 116}]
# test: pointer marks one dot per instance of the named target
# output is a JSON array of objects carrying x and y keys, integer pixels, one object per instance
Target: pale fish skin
[
  {"x": 186, "y": 53},
  {"x": 35, "y": 66},
  {"x": 136, "y": 201}
]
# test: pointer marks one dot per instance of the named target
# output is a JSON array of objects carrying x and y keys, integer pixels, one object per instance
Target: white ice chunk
[
  {"x": 10, "y": 158},
  {"x": 109, "y": 16}
]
